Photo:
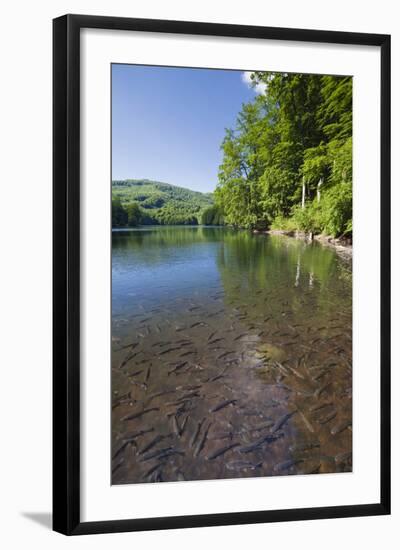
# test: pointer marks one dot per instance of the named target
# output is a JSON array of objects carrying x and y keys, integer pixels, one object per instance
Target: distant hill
[{"x": 160, "y": 202}]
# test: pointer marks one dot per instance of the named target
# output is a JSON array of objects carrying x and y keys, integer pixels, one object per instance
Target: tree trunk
[
  {"x": 319, "y": 190},
  {"x": 303, "y": 195}
]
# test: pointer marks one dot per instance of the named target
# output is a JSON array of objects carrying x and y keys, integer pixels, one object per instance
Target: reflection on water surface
[{"x": 231, "y": 356}]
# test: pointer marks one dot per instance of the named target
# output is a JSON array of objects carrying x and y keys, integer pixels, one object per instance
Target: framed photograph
[{"x": 221, "y": 274}]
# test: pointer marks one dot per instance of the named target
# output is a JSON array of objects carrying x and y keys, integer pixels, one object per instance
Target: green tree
[
  {"x": 212, "y": 216},
  {"x": 119, "y": 215},
  {"x": 289, "y": 156},
  {"x": 134, "y": 214}
]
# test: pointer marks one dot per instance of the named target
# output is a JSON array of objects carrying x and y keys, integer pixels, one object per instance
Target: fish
[
  {"x": 320, "y": 406},
  {"x": 177, "y": 367},
  {"x": 132, "y": 416},
  {"x": 189, "y": 388},
  {"x": 260, "y": 442},
  {"x": 170, "y": 452},
  {"x": 131, "y": 437},
  {"x": 295, "y": 372},
  {"x": 136, "y": 373},
  {"x": 301, "y": 447},
  {"x": 159, "y": 344},
  {"x": 202, "y": 441},
  {"x": 261, "y": 427},
  {"x": 215, "y": 378},
  {"x": 169, "y": 350},
  {"x": 223, "y": 435},
  {"x": 126, "y": 360},
  {"x": 187, "y": 396},
  {"x": 215, "y": 340},
  {"x": 196, "y": 433},
  {"x": 183, "y": 425},
  {"x": 175, "y": 426},
  {"x": 225, "y": 354},
  {"x": 282, "y": 421},
  {"x": 223, "y": 405},
  {"x": 186, "y": 353},
  {"x": 243, "y": 465},
  {"x": 287, "y": 464},
  {"x": 307, "y": 423},
  {"x": 151, "y": 444},
  {"x": 340, "y": 427},
  {"x": 152, "y": 470},
  {"x": 121, "y": 400},
  {"x": 120, "y": 449},
  {"x": 283, "y": 369},
  {"x": 132, "y": 346},
  {"x": 223, "y": 450},
  {"x": 328, "y": 417},
  {"x": 118, "y": 466},
  {"x": 183, "y": 407},
  {"x": 159, "y": 394},
  {"x": 321, "y": 389},
  {"x": 320, "y": 375},
  {"x": 155, "y": 454}
]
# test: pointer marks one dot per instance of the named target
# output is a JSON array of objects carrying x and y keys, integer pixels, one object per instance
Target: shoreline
[{"x": 342, "y": 246}]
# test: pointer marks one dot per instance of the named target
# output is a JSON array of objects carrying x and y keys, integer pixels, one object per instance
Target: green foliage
[
  {"x": 332, "y": 215},
  {"x": 276, "y": 191},
  {"x": 315, "y": 165},
  {"x": 284, "y": 223},
  {"x": 134, "y": 214},
  {"x": 151, "y": 203},
  {"x": 118, "y": 213},
  {"x": 336, "y": 210},
  {"x": 212, "y": 216},
  {"x": 307, "y": 219},
  {"x": 298, "y": 132}
]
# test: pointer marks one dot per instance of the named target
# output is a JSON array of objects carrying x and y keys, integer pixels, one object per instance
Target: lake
[{"x": 231, "y": 355}]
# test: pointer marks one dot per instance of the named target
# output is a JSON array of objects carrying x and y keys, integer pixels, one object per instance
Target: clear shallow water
[{"x": 231, "y": 355}]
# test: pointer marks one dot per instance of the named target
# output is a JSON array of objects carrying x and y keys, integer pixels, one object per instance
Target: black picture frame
[{"x": 66, "y": 273}]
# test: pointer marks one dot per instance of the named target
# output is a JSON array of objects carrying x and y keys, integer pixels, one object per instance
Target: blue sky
[{"x": 168, "y": 123}]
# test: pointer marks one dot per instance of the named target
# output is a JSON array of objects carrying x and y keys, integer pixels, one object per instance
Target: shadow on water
[{"x": 231, "y": 356}]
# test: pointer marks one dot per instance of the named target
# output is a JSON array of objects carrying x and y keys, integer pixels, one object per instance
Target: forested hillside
[
  {"x": 144, "y": 202},
  {"x": 288, "y": 162}
]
